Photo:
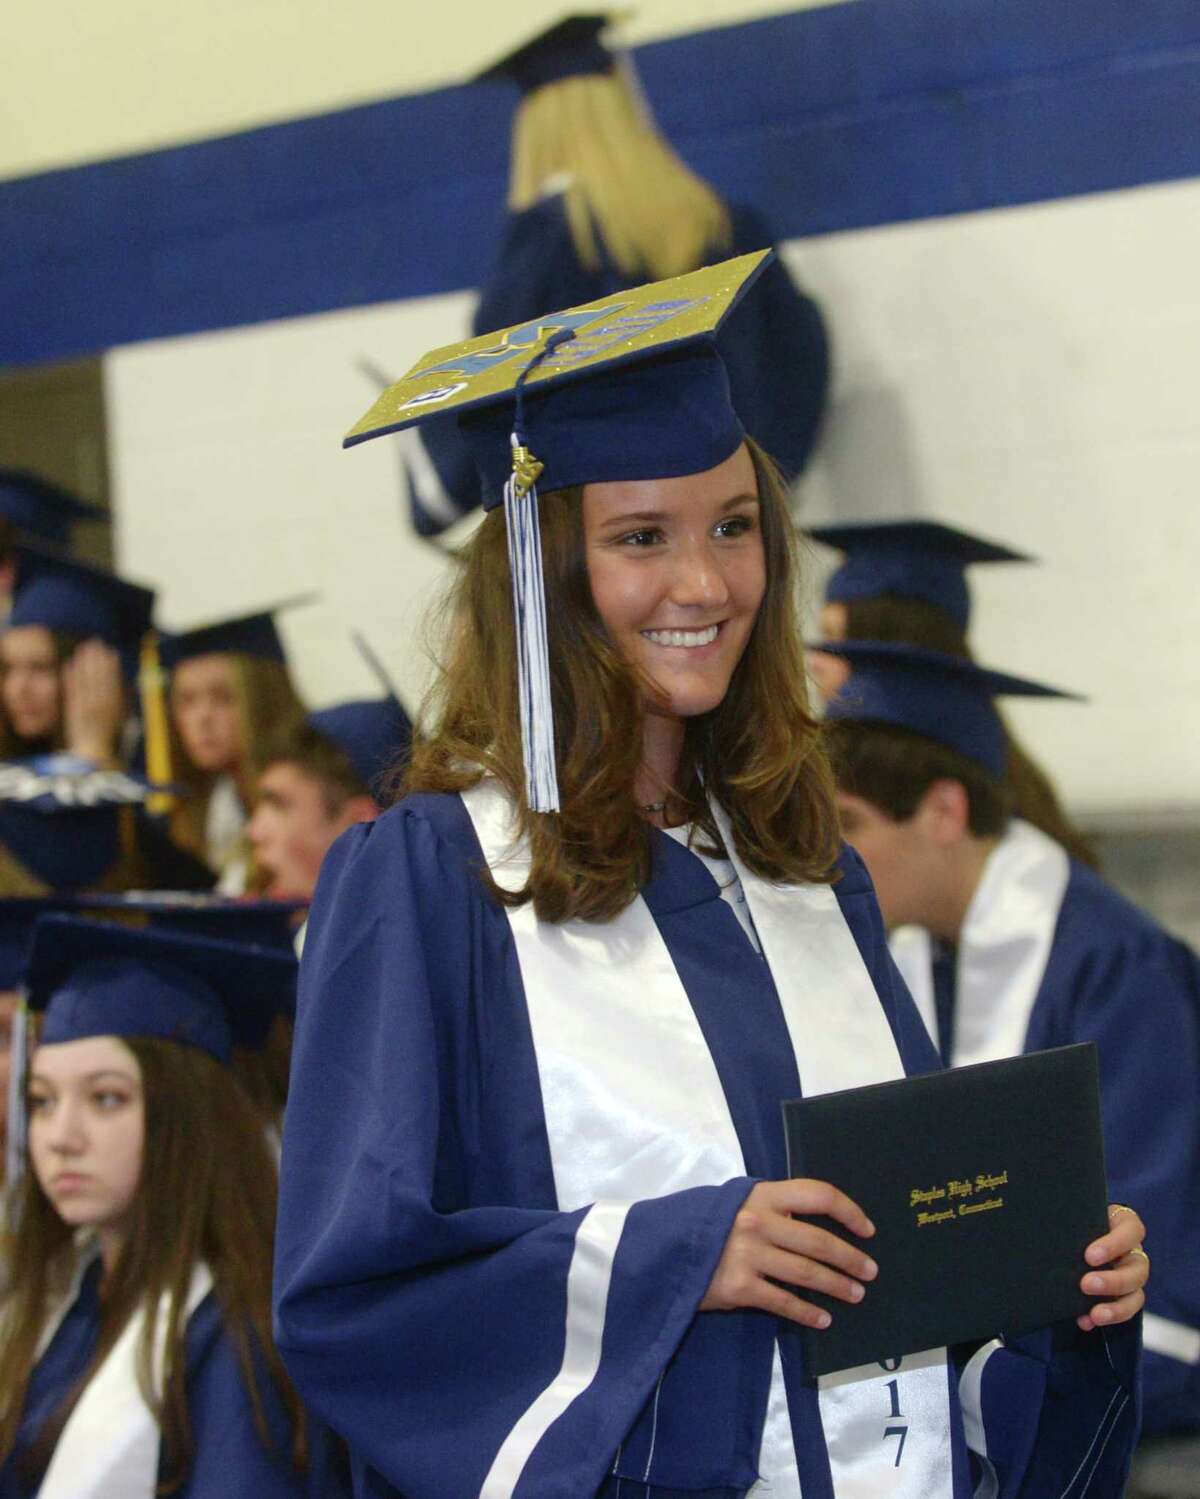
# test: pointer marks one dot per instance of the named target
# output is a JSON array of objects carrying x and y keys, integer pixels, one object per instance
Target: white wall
[
  {"x": 89, "y": 79},
  {"x": 1028, "y": 373}
]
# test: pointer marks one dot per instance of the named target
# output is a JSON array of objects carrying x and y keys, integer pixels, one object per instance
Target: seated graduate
[
  {"x": 137, "y": 1356},
  {"x": 535, "y": 1232},
  {"x": 68, "y": 654},
  {"x": 1030, "y": 949},
  {"x": 34, "y": 509},
  {"x": 230, "y": 691},
  {"x": 599, "y": 201},
  {"x": 906, "y": 580},
  {"x": 318, "y": 781}
]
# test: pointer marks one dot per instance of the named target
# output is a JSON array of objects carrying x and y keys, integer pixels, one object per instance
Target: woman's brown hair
[
  {"x": 207, "y": 1193},
  {"x": 268, "y": 706},
  {"x": 758, "y": 752},
  {"x": 1030, "y": 789}
]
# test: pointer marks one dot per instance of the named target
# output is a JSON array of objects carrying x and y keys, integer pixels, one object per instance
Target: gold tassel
[{"x": 152, "y": 687}]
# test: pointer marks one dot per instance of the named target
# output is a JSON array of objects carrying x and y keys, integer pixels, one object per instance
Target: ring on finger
[{"x": 1140, "y": 1252}]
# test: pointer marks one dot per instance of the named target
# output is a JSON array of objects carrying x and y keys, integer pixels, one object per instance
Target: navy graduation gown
[
  {"x": 1117, "y": 978},
  {"x": 774, "y": 345},
  {"x": 421, "y": 1259},
  {"x": 229, "y": 1459}
]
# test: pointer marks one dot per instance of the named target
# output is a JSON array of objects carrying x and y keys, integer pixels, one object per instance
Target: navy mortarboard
[
  {"x": 37, "y": 508},
  {"x": 99, "y": 979},
  {"x": 627, "y": 387},
  {"x": 372, "y": 734},
  {"x": 944, "y": 698},
  {"x": 570, "y": 48},
  {"x": 60, "y": 819},
  {"x": 71, "y": 598},
  {"x": 908, "y": 559},
  {"x": 243, "y": 635},
  {"x": 255, "y": 923}
]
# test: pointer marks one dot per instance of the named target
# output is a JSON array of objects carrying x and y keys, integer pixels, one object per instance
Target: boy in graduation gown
[
  {"x": 906, "y": 580},
  {"x": 1028, "y": 949},
  {"x": 598, "y": 203},
  {"x": 542, "y": 1039},
  {"x": 317, "y": 782}
]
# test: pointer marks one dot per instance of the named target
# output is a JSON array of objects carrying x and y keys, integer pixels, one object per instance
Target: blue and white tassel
[{"x": 529, "y": 613}]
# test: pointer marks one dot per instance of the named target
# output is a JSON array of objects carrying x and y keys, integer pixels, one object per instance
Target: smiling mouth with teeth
[{"x": 683, "y": 638}]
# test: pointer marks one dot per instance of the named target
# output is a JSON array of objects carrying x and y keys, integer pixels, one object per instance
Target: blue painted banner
[{"x": 841, "y": 117}]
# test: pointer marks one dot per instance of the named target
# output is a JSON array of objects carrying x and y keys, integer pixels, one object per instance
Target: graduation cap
[
  {"x": 99, "y": 979},
  {"x": 630, "y": 386},
  {"x": 60, "y": 817},
  {"x": 251, "y": 922},
  {"x": 944, "y": 698},
  {"x": 17, "y": 916},
  {"x": 570, "y": 48},
  {"x": 371, "y": 732},
  {"x": 42, "y": 509},
  {"x": 243, "y": 635},
  {"x": 73, "y": 598},
  {"x": 913, "y": 559}
]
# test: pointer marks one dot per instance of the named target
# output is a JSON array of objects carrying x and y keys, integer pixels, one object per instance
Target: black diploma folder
[{"x": 985, "y": 1185}]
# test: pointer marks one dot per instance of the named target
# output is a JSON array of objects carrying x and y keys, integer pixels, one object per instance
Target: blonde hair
[{"x": 623, "y": 183}]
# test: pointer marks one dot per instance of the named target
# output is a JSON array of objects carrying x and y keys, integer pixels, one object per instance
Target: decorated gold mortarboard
[{"x": 628, "y": 387}]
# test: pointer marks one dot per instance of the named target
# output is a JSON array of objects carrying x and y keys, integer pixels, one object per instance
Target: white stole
[
  {"x": 634, "y": 1109},
  {"x": 109, "y": 1448},
  {"x": 1003, "y": 948}
]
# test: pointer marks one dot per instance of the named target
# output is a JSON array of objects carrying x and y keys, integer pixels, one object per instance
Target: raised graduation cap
[
  {"x": 944, "y": 698},
  {"x": 60, "y": 817},
  {"x": 73, "y": 598},
  {"x": 626, "y": 387},
  {"x": 570, "y": 48},
  {"x": 911, "y": 559},
  {"x": 253, "y": 634},
  {"x": 96, "y": 978},
  {"x": 39, "y": 508}
]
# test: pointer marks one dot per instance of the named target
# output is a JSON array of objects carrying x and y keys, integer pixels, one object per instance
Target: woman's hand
[
  {"x": 93, "y": 702},
  {"x": 766, "y": 1244},
  {"x": 1120, "y": 1249}
]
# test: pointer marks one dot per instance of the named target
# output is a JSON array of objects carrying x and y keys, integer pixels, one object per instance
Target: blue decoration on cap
[
  {"x": 97, "y": 979},
  {"x": 911, "y": 559},
  {"x": 60, "y": 817},
  {"x": 241, "y": 635},
  {"x": 944, "y": 698},
  {"x": 571, "y": 48},
  {"x": 40, "y": 508},
  {"x": 72, "y": 598}
]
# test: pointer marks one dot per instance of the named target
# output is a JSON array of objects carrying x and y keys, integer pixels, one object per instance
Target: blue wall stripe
[{"x": 837, "y": 118}]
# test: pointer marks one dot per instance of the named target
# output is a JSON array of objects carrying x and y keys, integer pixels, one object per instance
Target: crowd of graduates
[{"x": 167, "y": 805}]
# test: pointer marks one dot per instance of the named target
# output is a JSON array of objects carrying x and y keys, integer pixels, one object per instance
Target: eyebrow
[
  {"x": 89, "y": 1077},
  {"x": 643, "y": 517}
]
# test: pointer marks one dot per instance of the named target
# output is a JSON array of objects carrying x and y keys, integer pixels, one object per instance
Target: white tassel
[{"x": 533, "y": 649}]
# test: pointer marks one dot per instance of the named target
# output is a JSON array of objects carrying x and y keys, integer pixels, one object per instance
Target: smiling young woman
[
  {"x": 637, "y": 720},
  {"x": 552, "y": 1000}
]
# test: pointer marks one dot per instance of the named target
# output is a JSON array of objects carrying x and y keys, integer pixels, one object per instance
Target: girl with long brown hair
[
  {"x": 136, "y": 1355},
  {"x": 230, "y": 693},
  {"x": 536, "y": 1232}
]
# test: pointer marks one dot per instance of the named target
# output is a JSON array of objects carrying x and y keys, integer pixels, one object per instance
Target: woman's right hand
[{"x": 766, "y": 1245}]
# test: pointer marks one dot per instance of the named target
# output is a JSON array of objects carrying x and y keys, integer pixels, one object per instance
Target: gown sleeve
[
  {"x": 432, "y": 1303},
  {"x": 1137, "y": 996},
  {"x": 230, "y": 1460}
]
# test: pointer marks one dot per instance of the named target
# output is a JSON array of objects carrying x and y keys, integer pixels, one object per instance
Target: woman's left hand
[{"x": 1129, "y": 1269}]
